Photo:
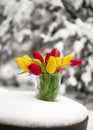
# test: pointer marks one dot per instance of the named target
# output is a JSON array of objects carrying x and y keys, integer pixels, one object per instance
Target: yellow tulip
[
  {"x": 27, "y": 57},
  {"x": 58, "y": 61},
  {"x": 23, "y": 63},
  {"x": 51, "y": 65},
  {"x": 66, "y": 60}
]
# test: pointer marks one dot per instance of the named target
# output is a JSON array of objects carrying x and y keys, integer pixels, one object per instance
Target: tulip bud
[
  {"x": 51, "y": 65},
  {"x": 55, "y": 52},
  {"x": 23, "y": 63},
  {"x": 58, "y": 61},
  {"x": 27, "y": 57},
  {"x": 66, "y": 60},
  {"x": 76, "y": 62},
  {"x": 47, "y": 57},
  {"x": 59, "y": 69},
  {"x": 38, "y": 62},
  {"x": 35, "y": 69},
  {"x": 38, "y": 56}
]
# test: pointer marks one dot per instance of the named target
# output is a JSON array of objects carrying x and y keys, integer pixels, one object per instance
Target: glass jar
[{"x": 47, "y": 86}]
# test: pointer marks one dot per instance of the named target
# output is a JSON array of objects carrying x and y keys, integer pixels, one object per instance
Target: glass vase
[{"x": 48, "y": 86}]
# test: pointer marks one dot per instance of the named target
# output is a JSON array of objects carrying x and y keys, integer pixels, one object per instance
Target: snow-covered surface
[
  {"x": 2, "y": 89},
  {"x": 23, "y": 109},
  {"x": 90, "y": 123}
]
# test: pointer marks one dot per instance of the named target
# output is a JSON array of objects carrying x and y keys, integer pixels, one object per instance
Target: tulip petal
[
  {"x": 66, "y": 60},
  {"x": 55, "y": 52},
  {"x": 23, "y": 63},
  {"x": 47, "y": 57},
  {"x": 51, "y": 65},
  {"x": 58, "y": 61},
  {"x": 38, "y": 56},
  {"x": 76, "y": 62},
  {"x": 20, "y": 63},
  {"x": 59, "y": 69},
  {"x": 40, "y": 64},
  {"x": 35, "y": 69},
  {"x": 27, "y": 57}
]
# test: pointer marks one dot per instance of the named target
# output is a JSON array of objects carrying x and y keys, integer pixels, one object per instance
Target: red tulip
[
  {"x": 76, "y": 62},
  {"x": 55, "y": 52},
  {"x": 38, "y": 56},
  {"x": 59, "y": 69},
  {"x": 47, "y": 57},
  {"x": 35, "y": 69}
]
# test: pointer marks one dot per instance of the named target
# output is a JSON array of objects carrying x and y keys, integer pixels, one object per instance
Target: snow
[
  {"x": 86, "y": 77},
  {"x": 76, "y": 3},
  {"x": 56, "y": 3},
  {"x": 90, "y": 123},
  {"x": 2, "y": 89},
  {"x": 23, "y": 109},
  {"x": 59, "y": 46},
  {"x": 84, "y": 29},
  {"x": 72, "y": 80},
  {"x": 79, "y": 45}
]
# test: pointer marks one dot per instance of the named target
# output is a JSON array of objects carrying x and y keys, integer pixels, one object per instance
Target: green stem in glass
[{"x": 48, "y": 86}]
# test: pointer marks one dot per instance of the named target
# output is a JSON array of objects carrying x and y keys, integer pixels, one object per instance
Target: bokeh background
[{"x": 29, "y": 25}]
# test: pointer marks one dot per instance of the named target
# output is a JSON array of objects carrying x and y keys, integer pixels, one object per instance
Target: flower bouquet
[{"x": 47, "y": 67}]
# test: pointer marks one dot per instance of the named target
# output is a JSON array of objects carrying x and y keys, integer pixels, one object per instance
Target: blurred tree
[
  {"x": 79, "y": 9},
  {"x": 29, "y": 25}
]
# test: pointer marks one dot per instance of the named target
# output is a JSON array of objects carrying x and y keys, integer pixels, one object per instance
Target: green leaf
[
  {"x": 23, "y": 72},
  {"x": 43, "y": 53},
  {"x": 29, "y": 74}
]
